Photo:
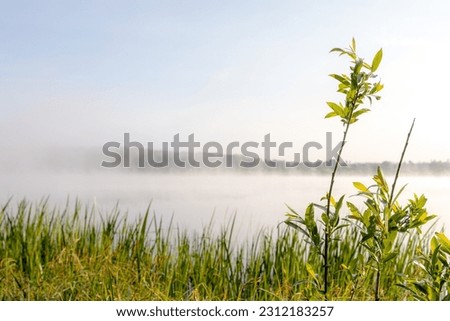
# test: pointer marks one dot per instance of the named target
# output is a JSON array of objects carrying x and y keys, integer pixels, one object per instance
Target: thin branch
[{"x": 397, "y": 173}]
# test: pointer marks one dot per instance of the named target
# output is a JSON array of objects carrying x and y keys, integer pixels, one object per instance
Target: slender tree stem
[
  {"x": 388, "y": 211},
  {"x": 330, "y": 191},
  {"x": 377, "y": 284},
  {"x": 397, "y": 173},
  {"x": 327, "y": 228}
]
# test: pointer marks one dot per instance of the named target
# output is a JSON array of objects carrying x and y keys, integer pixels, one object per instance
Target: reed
[{"x": 71, "y": 254}]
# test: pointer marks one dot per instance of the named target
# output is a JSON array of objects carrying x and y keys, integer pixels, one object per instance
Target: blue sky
[{"x": 80, "y": 73}]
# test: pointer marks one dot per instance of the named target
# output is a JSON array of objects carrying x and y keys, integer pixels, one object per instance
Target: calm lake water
[{"x": 257, "y": 200}]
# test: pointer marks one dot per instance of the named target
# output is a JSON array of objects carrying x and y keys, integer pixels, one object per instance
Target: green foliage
[
  {"x": 360, "y": 84},
  {"x": 69, "y": 254},
  {"x": 381, "y": 220},
  {"x": 383, "y": 224},
  {"x": 434, "y": 281},
  {"x": 357, "y": 86}
]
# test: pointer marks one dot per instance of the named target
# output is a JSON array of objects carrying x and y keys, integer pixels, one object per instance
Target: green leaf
[
  {"x": 342, "y": 79},
  {"x": 336, "y": 108},
  {"x": 360, "y": 112},
  {"x": 421, "y": 201},
  {"x": 338, "y": 205},
  {"x": 398, "y": 194},
  {"x": 360, "y": 186},
  {"x": 339, "y": 227},
  {"x": 336, "y": 50},
  {"x": 358, "y": 65},
  {"x": 309, "y": 214},
  {"x": 366, "y": 65},
  {"x": 321, "y": 207},
  {"x": 435, "y": 256},
  {"x": 292, "y": 224},
  {"x": 422, "y": 288},
  {"x": 353, "y": 120},
  {"x": 332, "y": 201},
  {"x": 292, "y": 210},
  {"x": 444, "y": 241},
  {"x": 376, "y": 88},
  {"x": 311, "y": 272},
  {"x": 413, "y": 292},
  {"x": 356, "y": 214},
  {"x": 390, "y": 256},
  {"x": 381, "y": 181},
  {"x": 297, "y": 227},
  {"x": 377, "y": 60},
  {"x": 433, "y": 243},
  {"x": 331, "y": 114},
  {"x": 344, "y": 52}
]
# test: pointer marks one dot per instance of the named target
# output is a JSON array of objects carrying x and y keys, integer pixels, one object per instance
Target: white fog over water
[{"x": 257, "y": 200}]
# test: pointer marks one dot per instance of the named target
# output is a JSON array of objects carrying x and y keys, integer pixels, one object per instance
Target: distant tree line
[{"x": 232, "y": 163}]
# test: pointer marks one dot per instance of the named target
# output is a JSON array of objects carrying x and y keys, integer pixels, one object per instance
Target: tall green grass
[{"x": 69, "y": 254}]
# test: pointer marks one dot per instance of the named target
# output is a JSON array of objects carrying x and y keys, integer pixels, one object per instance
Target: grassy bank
[{"x": 63, "y": 254}]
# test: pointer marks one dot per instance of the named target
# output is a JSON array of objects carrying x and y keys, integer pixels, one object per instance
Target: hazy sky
[{"x": 80, "y": 73}]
